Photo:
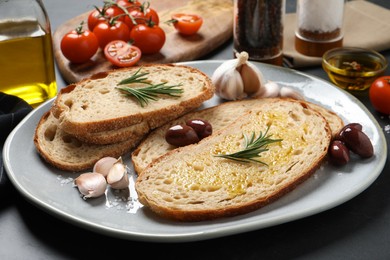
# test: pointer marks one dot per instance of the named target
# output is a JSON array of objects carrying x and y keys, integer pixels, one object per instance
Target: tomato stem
[{"x": 79, "y": 28}]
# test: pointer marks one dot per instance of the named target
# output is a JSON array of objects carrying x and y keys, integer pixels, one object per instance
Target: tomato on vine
[
  {"x": 111, "y": 30},
  {"x": 128, "y": 3},
  {"x": 379, "y": 94},
  {"x": 107, "y": 12},
  {"x": 122, "y": 54},
  {"x": 142, "y": 14},
  {"x": 187, "y": 24},
  {"x": 79, "y": 45},
  {"x": 150, "y": 38}
]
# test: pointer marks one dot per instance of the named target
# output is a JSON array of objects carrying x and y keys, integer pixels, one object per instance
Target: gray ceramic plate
[{"x": 120, "y": 214}]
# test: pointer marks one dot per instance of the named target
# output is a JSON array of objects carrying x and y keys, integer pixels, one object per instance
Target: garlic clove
[
  {"x": 250, "y": 80},
  {"x": 271, "y": 89},
  {"x": 104, "y": 165},
  {"x": 91, "y": 184},
  {"x": 289, "y": 92},
  {"x": 227, "y": 81},
  {"x": 234, "y": 87},
  {"x": 117, "y": 177}
]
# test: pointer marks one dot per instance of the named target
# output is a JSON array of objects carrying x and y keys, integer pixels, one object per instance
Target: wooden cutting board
[{"x": 216, "y": 29}]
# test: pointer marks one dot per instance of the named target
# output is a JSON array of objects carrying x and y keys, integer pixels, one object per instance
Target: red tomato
[
  {"x": 111, "y": 30},
  {"x": 149, "y": 38},
  {"x": 187, "y": 24},
  {"x": 79, "y": 45},
  {"x": 102, "y": 14},
  {"x": 142, "y": 15},
  {"x": 128, "y": 3},
  {"x": 380, "y": 94},
  {"x": 122, "y": 54}
]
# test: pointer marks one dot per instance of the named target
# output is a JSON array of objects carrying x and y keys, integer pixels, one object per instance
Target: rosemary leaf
[
  {"x": 253, "y": 148},
  {"x": 151, "y": 91}
]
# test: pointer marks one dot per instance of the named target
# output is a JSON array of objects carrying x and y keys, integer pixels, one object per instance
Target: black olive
[
  {"x": 338, "y": 153},
  {"x": 201, "y": 127},
  {"x": 181, "y": 135}
]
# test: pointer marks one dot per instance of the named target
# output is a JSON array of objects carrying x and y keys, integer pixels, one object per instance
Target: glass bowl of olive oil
[{"x": 353, "y": 69}]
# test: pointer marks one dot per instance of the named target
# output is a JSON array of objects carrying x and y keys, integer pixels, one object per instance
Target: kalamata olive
[
  {"x": 201, "y": 127},
  {"x": 350, "y": 125},
  {"x": 181, "y": 135},
  {"x": 338, "y": 153},
  {"x": 357, "y": 141}
]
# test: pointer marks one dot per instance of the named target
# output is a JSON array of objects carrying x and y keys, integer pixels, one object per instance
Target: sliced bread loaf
[
  {"x": 66, "y": 152},
  {"x": 191, "y": 183},
  {"x": 154, "y": 145},
  {"x": 97, "y": 105}
]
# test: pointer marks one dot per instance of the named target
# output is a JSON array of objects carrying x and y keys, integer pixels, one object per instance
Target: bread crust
[
  {"x": 66, "y": 152},
  {"x": 165, "y": 185},
  {"x": 79, "y": 117}
]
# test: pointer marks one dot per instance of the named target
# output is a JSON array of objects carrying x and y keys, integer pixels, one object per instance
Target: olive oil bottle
[{"x": 26, "y": 54}]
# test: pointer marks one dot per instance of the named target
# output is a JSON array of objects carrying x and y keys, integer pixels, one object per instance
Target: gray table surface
[{"x": 357, "y": 229}]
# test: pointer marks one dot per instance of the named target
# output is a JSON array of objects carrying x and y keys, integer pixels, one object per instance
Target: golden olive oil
[
  {"x": 353, "y": 73},
  {"x": 26, "y": 62}
]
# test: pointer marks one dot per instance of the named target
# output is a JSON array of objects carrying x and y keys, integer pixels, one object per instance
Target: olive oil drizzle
[{"x": 252, "y": 148}]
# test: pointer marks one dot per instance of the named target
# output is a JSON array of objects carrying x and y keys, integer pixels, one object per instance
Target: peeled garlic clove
[
  {"x": 117, "y": 177},
  {"x": 104, "y": 165},
  {"x": 289, "y": 92},
  {"x": 91, "y": 184},
  {"x": 271, "y": 89}
]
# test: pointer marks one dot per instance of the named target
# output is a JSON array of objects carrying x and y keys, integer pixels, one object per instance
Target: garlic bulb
[
  {"x": 117, "y": 177},
  {"x": 91, "y": 184},
  {"x": 237, "y": 78}
]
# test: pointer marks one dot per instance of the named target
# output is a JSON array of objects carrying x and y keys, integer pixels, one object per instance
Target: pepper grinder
[
  {"x": 319, "y": 26},
  {"x": 258, "y": 29}
]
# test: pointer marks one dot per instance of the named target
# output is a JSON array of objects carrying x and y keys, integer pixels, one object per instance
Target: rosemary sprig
[
  {"x": 253, "y": 148},
  {"x": 151, "y": 91}
]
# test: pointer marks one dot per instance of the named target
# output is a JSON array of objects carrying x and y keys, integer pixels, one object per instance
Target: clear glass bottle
[
  {"x": 258, "y": 29},
  {"x": 26, "y": 51},
  {"x": 319, "y": 26}
]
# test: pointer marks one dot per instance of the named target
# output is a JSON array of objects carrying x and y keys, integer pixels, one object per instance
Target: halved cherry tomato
[
  {"x": 111, "y": 30},
  {"x": 79, "y": 45},
  {"x": 187, "y": 24},
  {"x": 148, "y": 37},
  {"x": 122, "y": 54},
  {"x": 379, "y": 94},
  {"x": 107, "y": 12}
]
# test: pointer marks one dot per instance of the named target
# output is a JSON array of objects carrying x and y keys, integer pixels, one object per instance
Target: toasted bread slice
[
  {"x": 154, "y": 145},
  {"x": 191, "y": 183},
  {"x": 66, "y": 152},
  {"x": 97, "y": 105}
]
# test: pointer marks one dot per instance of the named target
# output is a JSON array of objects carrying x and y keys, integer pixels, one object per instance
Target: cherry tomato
[
  {"x": 148, "y": 37},
  {"x": 79, "y": 45},
  {"x": 102, "y": 14},
  {"x": 122, "y": 54},
  {"x": 142, "y": 14},
  {"x": 111, "y": 30},
  {"x": 187, "y": 24},
  {"x": 379, "y": 94},
  {"x": 128, "y": 3}
]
